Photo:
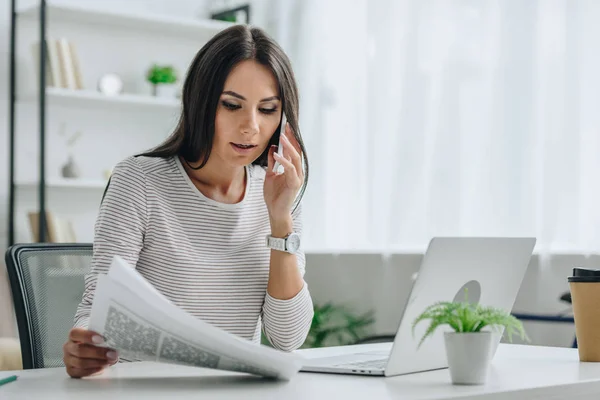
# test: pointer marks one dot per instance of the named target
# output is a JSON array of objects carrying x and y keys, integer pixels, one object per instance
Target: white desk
[{"x": 518, "y": 372}]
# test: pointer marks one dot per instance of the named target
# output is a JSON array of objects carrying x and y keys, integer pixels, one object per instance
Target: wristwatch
[{"x": 290, "y": 243}]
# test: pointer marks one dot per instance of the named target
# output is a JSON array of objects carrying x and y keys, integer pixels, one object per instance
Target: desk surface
[{"x": 521, "y": 372}]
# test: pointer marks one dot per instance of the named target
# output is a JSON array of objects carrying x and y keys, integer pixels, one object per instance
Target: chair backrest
[{"x": 47, "y": 282}]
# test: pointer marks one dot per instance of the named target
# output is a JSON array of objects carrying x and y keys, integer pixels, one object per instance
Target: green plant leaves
[
  {"x": 161, "y": 74},
  {"x": 334, "y": 325},
  {"x": 466, "y": 317},
  {"x": 498, "y": 318}
]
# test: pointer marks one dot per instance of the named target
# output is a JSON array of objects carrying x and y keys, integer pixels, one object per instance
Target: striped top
[{"x": 208, "y": 258}]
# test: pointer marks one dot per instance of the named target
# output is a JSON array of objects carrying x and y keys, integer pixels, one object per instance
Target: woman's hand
[
  {"x": 280, "y": 190},
  {"x": 81, "y": 355}
]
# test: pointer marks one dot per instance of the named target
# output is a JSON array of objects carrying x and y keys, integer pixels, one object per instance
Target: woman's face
[{"x": 248, "y": 114}]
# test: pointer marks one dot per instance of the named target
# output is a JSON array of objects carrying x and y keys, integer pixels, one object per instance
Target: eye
[
  {"x": 230, "y": 106},
  {"x": 268, "y": 110}
]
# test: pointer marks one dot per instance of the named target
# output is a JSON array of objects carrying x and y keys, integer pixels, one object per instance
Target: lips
[{"x": 242, "y": 148}]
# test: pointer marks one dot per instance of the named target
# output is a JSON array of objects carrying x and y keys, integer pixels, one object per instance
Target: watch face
[{"x": 293, "y": 242}]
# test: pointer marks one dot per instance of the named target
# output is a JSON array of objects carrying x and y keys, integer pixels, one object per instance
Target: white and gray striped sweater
[{"x": 207, "y": 257}]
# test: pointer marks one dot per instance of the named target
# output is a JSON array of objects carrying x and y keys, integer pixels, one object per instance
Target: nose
[{"x": 250, "y": 123}]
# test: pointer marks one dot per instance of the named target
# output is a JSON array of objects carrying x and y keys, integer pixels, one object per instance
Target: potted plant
[
  {"x": 162, "y": 78},
  {"x": 335, "y": 325},
  {"x": 469, "y": 343}
]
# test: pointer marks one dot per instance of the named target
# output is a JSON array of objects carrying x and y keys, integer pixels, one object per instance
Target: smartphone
[{"x": 278, "y": 168}]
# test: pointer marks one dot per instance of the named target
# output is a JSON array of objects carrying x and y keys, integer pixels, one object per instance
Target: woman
[{"x": 193, "y": 214}]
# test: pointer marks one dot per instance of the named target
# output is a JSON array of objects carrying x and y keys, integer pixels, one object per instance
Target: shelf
[
  {"x": 82, "y": 98},
  {"x": 64, "y": 183},
  {"x": 135, "y": 21}
]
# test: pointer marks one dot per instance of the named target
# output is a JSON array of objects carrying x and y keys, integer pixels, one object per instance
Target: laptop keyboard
[{"x": 369, "y": 364}]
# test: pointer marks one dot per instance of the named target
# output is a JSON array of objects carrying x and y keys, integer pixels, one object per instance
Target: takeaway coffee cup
[{"x": 585, "y": 296}]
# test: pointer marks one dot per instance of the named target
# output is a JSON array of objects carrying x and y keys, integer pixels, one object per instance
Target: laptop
[{"x": 492, "y": 269}]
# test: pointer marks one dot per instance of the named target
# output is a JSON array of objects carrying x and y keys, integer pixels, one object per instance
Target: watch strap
[{"x": 276, "y": 243}]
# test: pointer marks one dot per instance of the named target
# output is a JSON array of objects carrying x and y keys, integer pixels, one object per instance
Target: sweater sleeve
[
  {"x": 119, "y": 229},
  {"x": 286, "y": 323}
]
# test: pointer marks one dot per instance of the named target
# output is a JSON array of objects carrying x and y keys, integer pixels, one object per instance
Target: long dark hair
[{"x": 193, "y": 136}]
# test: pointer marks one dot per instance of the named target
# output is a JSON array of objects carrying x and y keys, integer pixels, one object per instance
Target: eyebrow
[{"x": 239, "y": 96}]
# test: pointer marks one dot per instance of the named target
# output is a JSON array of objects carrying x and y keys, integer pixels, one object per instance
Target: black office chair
[
  {"x": 47, "y": 282},
  {"x": 566, "y": 297}
]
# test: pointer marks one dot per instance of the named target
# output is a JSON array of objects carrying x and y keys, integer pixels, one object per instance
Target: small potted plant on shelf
[
  {"x": 163, "y": 79},
  {"x": 470, "y": 342}
]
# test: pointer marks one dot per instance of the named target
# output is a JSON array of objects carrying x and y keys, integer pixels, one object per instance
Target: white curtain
[{"x": 437, "y": 117}]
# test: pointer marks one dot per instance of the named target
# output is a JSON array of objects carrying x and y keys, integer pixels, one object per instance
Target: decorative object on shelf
[
  {"x": 163, "y": 79},
  {"x": 110, "y": 84},
  {"x": 58, "y": 229},
  {"x": 335, "y": 325},
  {"x": 70, "y": 169},
  {"x": 469, "y": 348},
  {"x": 62, "y": 64},
  {"x": 230, "y": 11},
  {"x": 107, "y": 173}
]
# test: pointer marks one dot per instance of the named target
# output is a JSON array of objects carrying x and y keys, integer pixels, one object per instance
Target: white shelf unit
[
  {"x": 65, "y": 183},
  {"x": 125, "y": 40},
  {"x": 136, "y": 21},
  {"x": 87, "y": 98}
]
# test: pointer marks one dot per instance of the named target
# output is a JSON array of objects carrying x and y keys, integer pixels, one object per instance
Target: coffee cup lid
[{"x": 585, "y": 275}]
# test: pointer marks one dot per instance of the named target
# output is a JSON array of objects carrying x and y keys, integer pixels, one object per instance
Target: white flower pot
[
  {"x": 469, "y": 356},
  {"x": 165, "y": 90}
]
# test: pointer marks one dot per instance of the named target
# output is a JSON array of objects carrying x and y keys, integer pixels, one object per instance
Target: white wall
[{"x": 363, "y": 281}]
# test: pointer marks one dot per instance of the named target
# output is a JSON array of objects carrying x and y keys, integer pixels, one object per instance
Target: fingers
[
  {"x": 81, "y": 355},
  {"x": 80, "y": 373},
  {"x": 82, "y": 350},
  {"x": 291, "y": 150},
  {"x": 78, "y": 367},
  {"x": 287, "y": 164},
  {"x": 82, "y": 335},
  {"x": 85, "y": 363}
]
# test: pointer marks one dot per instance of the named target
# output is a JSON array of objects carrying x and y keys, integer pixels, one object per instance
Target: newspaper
[{"x": 142, "y": 324}]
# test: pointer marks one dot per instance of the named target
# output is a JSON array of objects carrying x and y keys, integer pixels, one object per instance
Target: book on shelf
[
  {"x": 58, "y": 229},
  {"x": 63, "y": 69},
  {"x": 76, "y": 66}
]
